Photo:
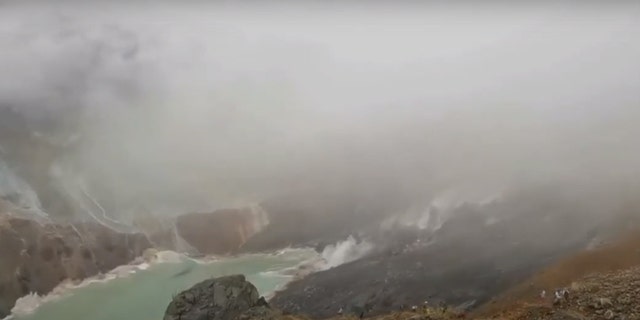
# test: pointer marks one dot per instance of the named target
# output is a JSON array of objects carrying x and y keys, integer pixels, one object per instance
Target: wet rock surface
[
  {"x": 224, "y": 298},
  {"x": 37, "y": 256}
]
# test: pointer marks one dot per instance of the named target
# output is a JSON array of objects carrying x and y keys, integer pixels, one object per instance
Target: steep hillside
[
  {"x": 478, "y": 252},
  {"x": 37, "y": 256},
  {"x": 586, "y": 273}
]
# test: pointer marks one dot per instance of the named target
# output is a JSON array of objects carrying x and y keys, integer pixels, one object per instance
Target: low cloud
[{"x": 182, "y": 106}]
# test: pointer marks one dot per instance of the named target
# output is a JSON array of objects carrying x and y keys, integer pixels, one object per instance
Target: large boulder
[{"x": 224, "y": 298}]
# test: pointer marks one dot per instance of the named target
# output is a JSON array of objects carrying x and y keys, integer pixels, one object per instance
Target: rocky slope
[
  {"x": 605, "y": 295},
  {"x": 477, "y": 253},
  {"x": 609, "y": 271},
  {"x": 602, "y": 283},
  {"x": 37, "y": 256},
  {"x": 605, "y": 284}
]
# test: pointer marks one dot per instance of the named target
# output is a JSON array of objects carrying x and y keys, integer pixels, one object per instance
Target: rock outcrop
[
  {"x": 36, "y": 256},
  {"x": 219, "y": 232},
  {"x": 224, "y": 298}
]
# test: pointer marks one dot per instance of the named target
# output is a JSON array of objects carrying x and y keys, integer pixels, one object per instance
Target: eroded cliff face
[
  {"x": 222, "y": 231},
  {"x": 159, "y": 230},
  {"x": 29, "y": 154},
  {"x": 39, "y": 248},
  {"x": 319, "y": 217},
  {"x": 37, "y": 256}
]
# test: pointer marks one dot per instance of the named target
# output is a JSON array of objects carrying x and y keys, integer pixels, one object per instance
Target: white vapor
[{"x": 195, "y": 106}]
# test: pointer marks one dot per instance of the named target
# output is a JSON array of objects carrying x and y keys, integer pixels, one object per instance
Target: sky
[{"x": 179, "y": 104}]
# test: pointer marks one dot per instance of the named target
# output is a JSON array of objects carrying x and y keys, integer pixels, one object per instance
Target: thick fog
[{"x": 187, "y": 105}]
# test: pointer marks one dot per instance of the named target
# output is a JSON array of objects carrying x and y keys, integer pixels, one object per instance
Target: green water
[{"x": 146, "y": 294}]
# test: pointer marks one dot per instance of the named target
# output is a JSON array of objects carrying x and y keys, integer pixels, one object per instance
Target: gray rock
[
  {"x": 603, "y": 303},
  {"x": 465, "y": 306},
  {"x": 224, "y": 298},
  {"x": 609, "y": 315}
]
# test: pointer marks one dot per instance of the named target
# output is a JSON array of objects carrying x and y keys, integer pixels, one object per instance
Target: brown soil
[{"x": 613, "y": 257}]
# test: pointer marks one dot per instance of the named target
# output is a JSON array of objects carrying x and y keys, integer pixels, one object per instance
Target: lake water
[{"x": 144, "y": 292}]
